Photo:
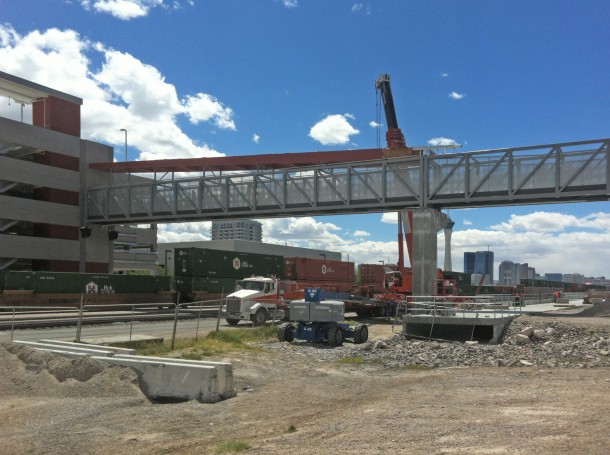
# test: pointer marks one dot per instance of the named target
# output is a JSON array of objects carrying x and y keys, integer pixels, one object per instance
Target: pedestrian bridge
[{"x": 543, "y": 174}]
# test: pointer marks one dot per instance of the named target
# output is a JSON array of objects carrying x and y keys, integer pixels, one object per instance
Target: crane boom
[{"x": 394, "y": 136}]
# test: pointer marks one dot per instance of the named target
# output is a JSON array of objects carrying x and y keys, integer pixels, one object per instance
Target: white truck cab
[{"x": 255, "y": 299}]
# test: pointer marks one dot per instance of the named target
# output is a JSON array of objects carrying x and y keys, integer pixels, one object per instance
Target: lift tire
[
  {"x": 335, "y": 336},
  {"x": 285, "y": 332},
  {"x": 259, "y": 318},
  {"x": 231, "y": 321},
  {"x": 361, "y": 334}
]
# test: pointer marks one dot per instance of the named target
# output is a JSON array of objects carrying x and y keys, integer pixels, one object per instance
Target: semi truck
[{"x": 260, "y": 298}]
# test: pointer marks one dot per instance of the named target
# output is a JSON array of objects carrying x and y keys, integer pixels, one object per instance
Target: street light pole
[{"x": 125, "y": 131}]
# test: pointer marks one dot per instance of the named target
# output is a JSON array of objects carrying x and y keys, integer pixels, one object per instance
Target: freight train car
[{"x": 24, "y": 288}]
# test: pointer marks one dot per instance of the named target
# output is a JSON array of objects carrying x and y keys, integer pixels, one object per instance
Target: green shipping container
[
  {"x": 76, "y": 283},
  {"x": 16, "y": 281},
  {"x": 202, "y": 262}
]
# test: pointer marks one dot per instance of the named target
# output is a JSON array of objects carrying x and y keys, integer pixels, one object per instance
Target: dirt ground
[{"x": 289, "y": 404}]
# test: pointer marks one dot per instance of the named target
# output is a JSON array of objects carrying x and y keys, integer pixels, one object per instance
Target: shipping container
[
  {"x": 77, "y": 283},
  {"x": 16, "y": 281},
  {"x": 203, "y": 262},
  {"x": 374, "y": 274},
  {"x": 311, "y": 269}
]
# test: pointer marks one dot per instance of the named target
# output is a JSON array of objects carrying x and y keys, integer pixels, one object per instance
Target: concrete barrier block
[
  {"x": 173, "y": 380},
  {"x": 92, "y": 351},
  {"x": 160, "y": 377},
  {"x": 116, "y": 350},
  {"x": 224, "y": 377}
]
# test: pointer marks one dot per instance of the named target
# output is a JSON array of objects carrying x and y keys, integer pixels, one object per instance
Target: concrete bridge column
[{"x": 426, "y": 223}]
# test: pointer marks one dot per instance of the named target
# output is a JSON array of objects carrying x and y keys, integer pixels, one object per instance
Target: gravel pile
[{"x": 549, "y": 344}]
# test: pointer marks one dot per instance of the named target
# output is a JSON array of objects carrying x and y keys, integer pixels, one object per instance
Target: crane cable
[{"x": 378, "y": 115}]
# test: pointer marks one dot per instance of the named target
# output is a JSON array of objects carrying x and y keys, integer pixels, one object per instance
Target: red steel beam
[{"x": 244, "y": 162}]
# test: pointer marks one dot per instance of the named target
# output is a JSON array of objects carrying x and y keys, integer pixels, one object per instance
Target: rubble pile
[{"x": 549, "y": 344}]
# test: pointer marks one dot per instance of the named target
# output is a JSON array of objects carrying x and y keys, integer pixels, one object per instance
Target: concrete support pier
[{"x": 426, "y": 223}]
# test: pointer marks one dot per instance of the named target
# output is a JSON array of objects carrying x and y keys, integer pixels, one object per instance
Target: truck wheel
[
  {"x": 335, "y": 336},
  {"x": 232, "y": 321},
  {"x": 361, "y": 334},
  {"x": 260, "y": 317},
  {"x": 285, "y": 332}
]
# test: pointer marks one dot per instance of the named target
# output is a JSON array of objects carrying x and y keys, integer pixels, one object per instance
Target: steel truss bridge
[{"x": 543, "y": 174}]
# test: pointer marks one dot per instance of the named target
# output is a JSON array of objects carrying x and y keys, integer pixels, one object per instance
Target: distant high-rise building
[
  {"x": 469, "y": 262},
  {"x": 481, "y": 263},
  {"x": 508, "y": 273},
  {"x": 553, "y": 276},
  {"x": 573, "y": 278},
  {"x": 237, "y": 230}
]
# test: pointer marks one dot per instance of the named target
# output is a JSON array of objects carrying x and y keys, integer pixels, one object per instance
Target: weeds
[
  {"x": 232, "y": 445},
  {"x": 351, "y": 361},
  {"x": 215, "y": 343}
]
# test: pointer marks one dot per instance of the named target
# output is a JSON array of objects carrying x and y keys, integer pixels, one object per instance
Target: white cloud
[
  {"x": 467, "y": 223},
  {"x": 374, "y": 124},
  {"x": 203, "y": 107},
  {"x": 357, "y": 7},
  {"x": 184, "y": 232},
  {"x": 290, "y": 3},
  {"x": 389, "y": 217},
  {"x": 123, "y": 9},
  {"x": 456, "y": 95},
  {"x": 334, "y": 129},
  {"x": 444, "y": 74},
  {"x": 256, "y": 138},
  {"x": 361, "y": 234},
  {"x": 121, "y": 93},
  {"x": 436, "y": 141},
  {"x": 550, "y": 222}
]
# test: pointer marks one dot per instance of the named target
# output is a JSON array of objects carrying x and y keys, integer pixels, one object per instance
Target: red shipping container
[
  {"x": 373, "y": 274},
  {"x": 310, "y": 269}
]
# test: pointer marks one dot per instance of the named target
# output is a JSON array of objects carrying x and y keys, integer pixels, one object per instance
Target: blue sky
[{"x": 200, "y": 78}]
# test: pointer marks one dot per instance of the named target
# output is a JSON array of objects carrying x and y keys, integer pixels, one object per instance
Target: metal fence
[{"x": 111, "y": 323}]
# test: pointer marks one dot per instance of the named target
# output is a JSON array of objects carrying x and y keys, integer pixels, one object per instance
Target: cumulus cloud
[
  {"x": 549, "y": 222},
  {"x": 129, "y": 9},
  {"x": 362, "y": 234},
  {"x": 456, "y": 95},
  {"x": 333, "y": 129},
  {"x": 436, "y": 141},
  {"x": 290, "y": 3},
  {"x": 357, "y": 7},
  {"x": 256, "y": 138},
  {"x": 389, "y": 217},
  {"x": 374, "y": 124},
  {"x": 184, "y": 232},
  {"x": 444, "y": 74},
  {"x": 204, "y": 107},
  {"x": 122, "y": 92}
]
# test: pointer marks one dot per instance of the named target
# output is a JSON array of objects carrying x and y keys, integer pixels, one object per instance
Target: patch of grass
[
  {"x": 291, "y": 429},
  {"x": 351, "y": 361},
  {"x": 215, "y": 343},
  {"x": 232, "y": 445}
]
